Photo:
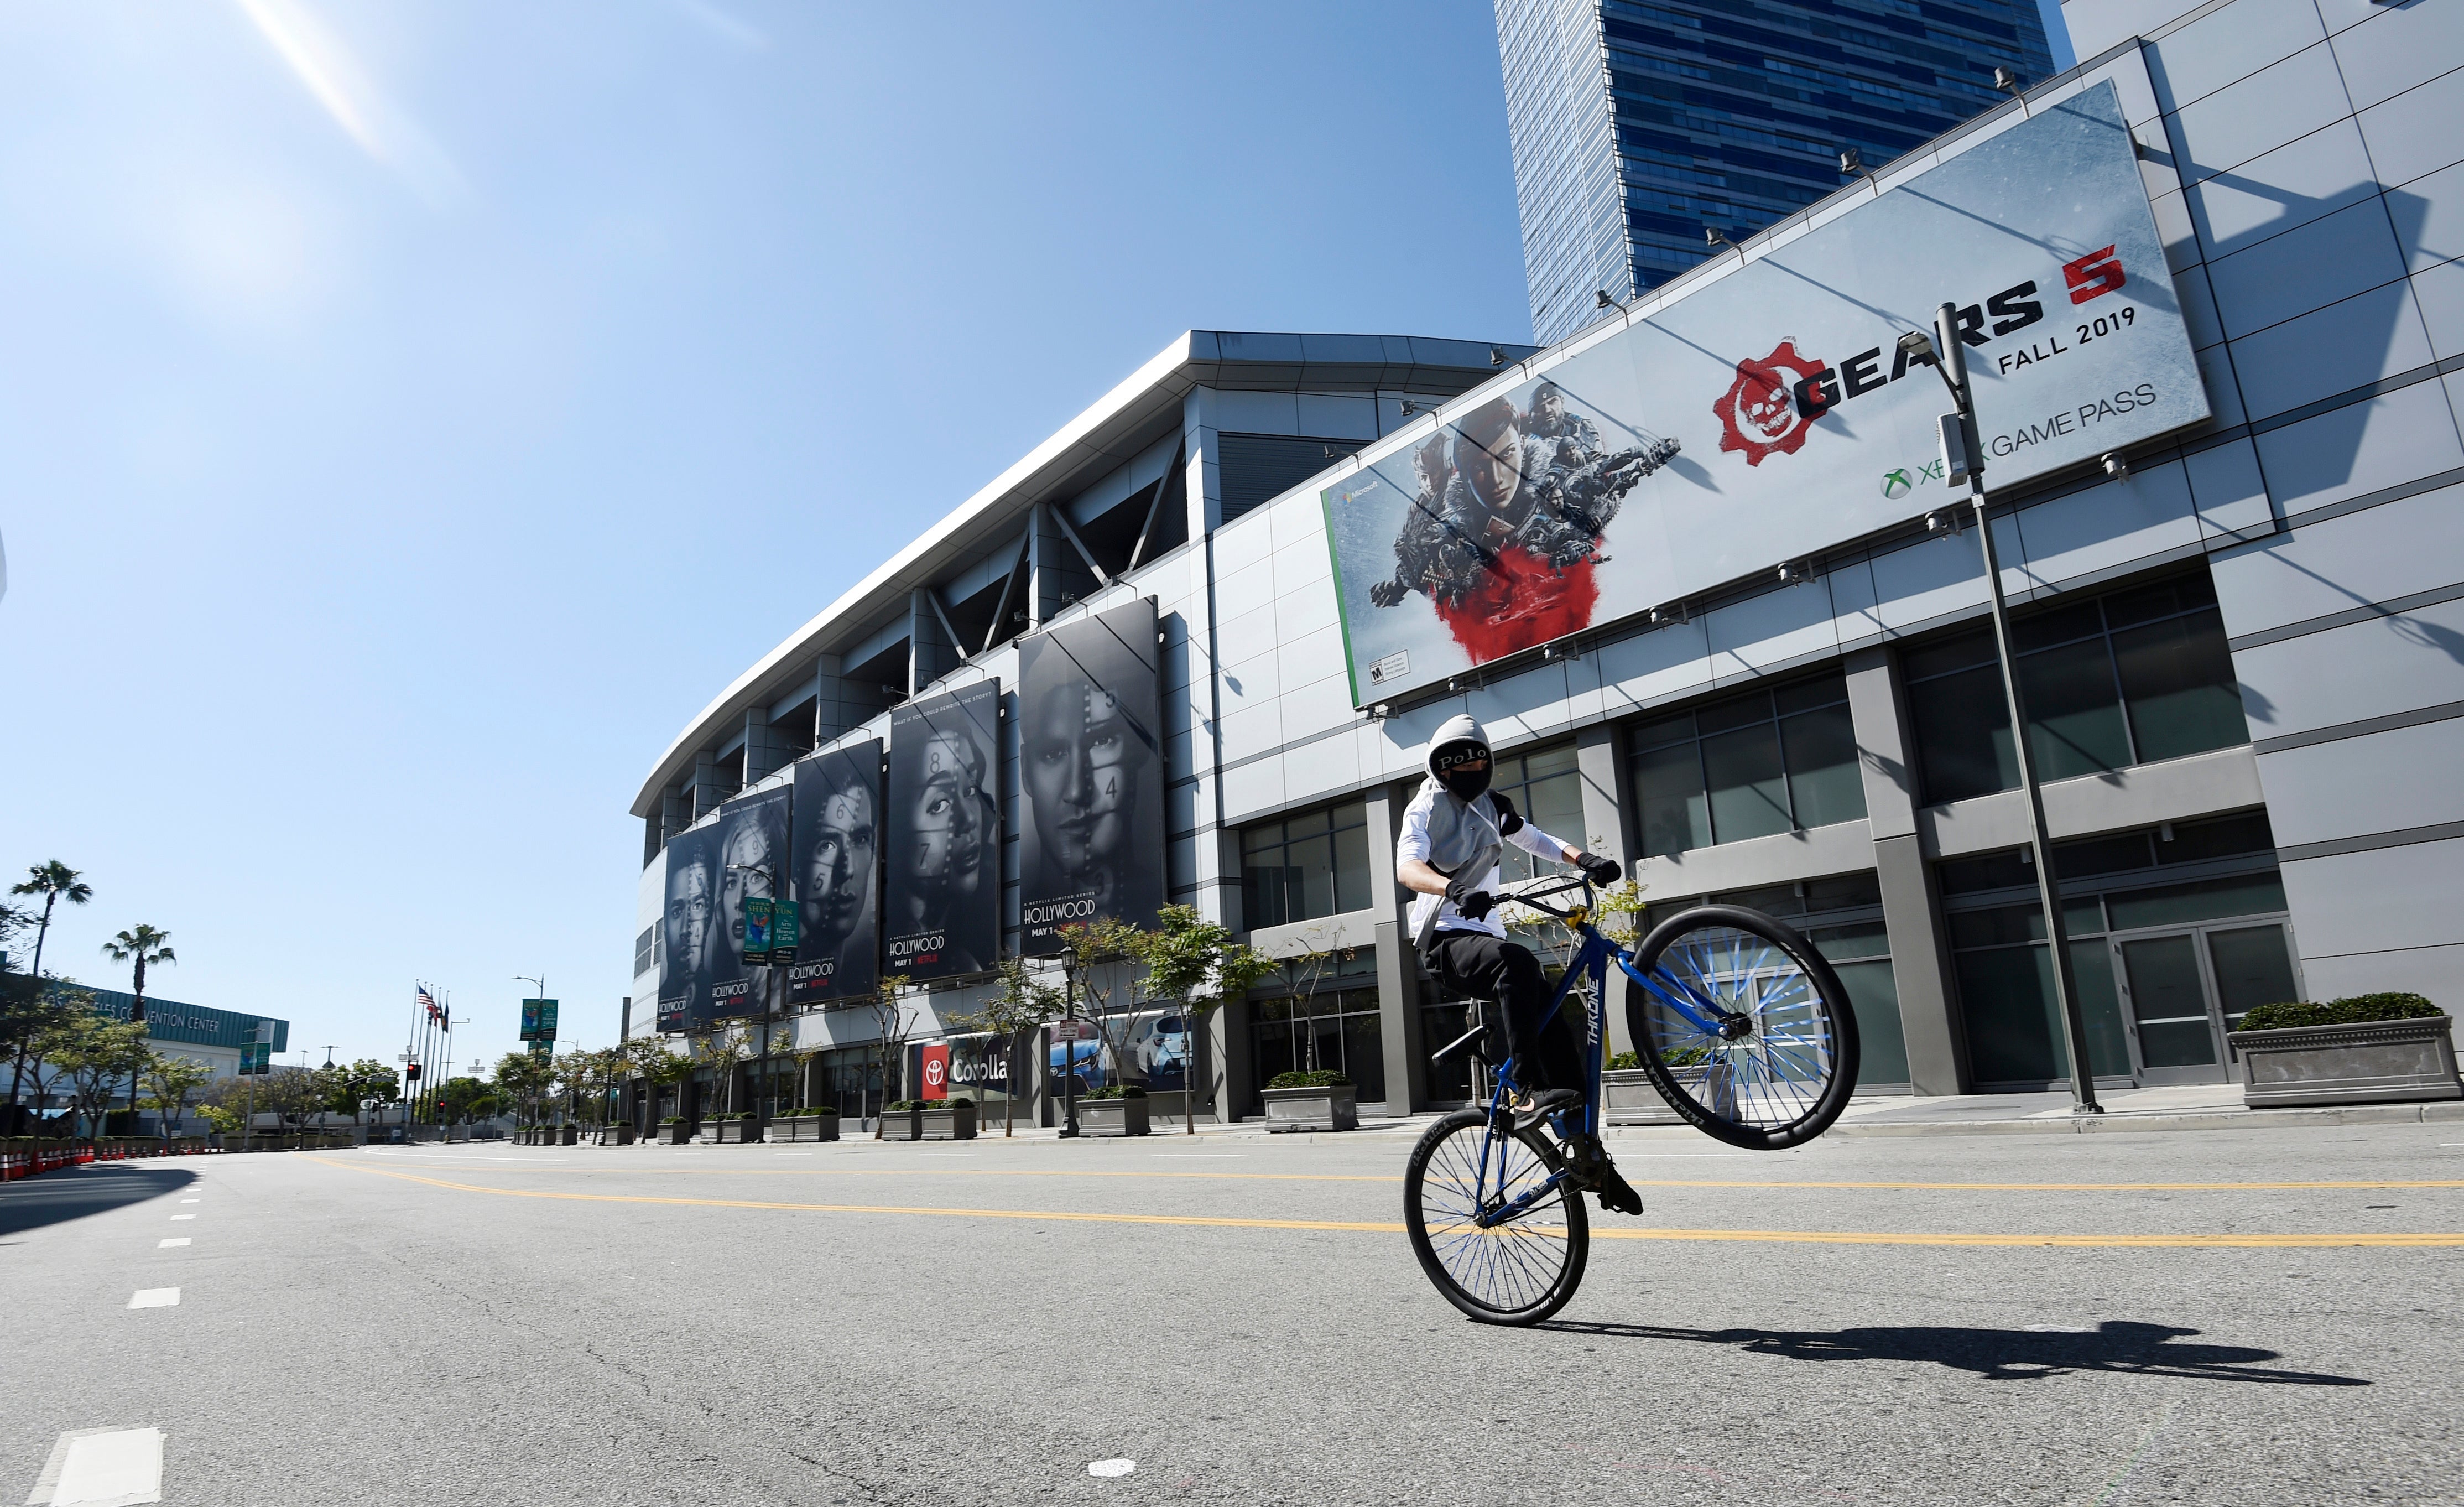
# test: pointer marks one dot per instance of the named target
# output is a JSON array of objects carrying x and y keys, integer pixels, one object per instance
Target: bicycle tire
[
  {"x": 1786, "y": 1080},
  {"x": 1519, "y": 1283}
]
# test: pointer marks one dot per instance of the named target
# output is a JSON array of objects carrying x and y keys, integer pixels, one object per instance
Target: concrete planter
[
  {"x": 681, "y": 1133},
  {"x": 2381, "y": 1062},
  {"x": 955, "y": 1123},
  {"x": 568, "y": 1136},
  {"x": 902, "y": 1124},
  {"x": 615, "y": 1135},
  {"x": 732, "y": 1130},
  {"x": 1112, "y": 1116},
  {"x": 1628, "y": 1098},
  {"x": 805, "y": 1127},
  {"x": 1334, "y": 1107}
]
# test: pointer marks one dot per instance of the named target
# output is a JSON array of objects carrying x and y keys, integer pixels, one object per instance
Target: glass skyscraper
[{"x": 1636, "y": 126}]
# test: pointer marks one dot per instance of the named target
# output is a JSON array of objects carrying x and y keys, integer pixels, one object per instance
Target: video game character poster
[
  {"x": 1090, "y": 840},
  {"x": 945, "y": 838},
  {"x": 1769, "y": 410},
  {"x": 751, "y": 861},
  {"x": 837, "y": 869}
]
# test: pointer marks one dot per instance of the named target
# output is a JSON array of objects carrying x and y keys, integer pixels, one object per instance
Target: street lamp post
[
  {"x": 769, "y": 977},
  {"x": 1948, "y": 357},
  {"x": 539, "y": 982},
  {"x": 1069, "y": 1043}
]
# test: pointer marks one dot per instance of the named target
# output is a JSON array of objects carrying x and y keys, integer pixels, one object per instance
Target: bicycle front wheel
[
  {"x": 1518, "y": 1270},
  {"x": 1763, "y": 1051}
]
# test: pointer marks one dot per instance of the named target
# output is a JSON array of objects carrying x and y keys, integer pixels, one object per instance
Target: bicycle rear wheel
[
  {"x": 1779, "y": 1066},
  {"x": 1516, "y": 1272}
]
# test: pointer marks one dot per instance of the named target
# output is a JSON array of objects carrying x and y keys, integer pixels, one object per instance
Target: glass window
[
  {"x": 1545, "y": 787},
  {"x": 1772, "y": 761},
  {"x": 1307, "y": 865},
  {"x": 1327, "y": 1030},
  {"x": 2130, "y": 677}
]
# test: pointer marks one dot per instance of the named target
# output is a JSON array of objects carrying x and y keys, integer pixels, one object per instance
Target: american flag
[{"x": 425, "y": 1001}]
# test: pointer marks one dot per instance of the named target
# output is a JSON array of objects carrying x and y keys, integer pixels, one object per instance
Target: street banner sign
[
  {"x": 256, "y": 1057},
  {"x": 757, "y": 931},
  {"x": 785, "y": 925},
  {"x": 543, "y": 1049},
  {"x": 538, "y": 1020},
  {"x": 937, "y": 1072}
]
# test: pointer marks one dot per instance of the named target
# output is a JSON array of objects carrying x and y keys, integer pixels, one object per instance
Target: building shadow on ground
[
  {"x": 74, "y": 1192},
  {"x": 1998, "y": 1354}
]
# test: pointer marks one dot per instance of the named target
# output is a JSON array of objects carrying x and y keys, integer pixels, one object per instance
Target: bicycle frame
[{"x": 1591, "y": 960}]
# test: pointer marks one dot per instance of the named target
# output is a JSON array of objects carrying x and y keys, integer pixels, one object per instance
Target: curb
[{"x": 2135, "y": 1125}]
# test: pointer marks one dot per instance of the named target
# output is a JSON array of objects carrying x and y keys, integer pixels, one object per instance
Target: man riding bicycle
[{"x": 1454, "y": 832}]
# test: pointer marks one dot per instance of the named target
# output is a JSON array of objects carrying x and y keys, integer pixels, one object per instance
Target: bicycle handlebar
[{"x": 1530, "y": 892}]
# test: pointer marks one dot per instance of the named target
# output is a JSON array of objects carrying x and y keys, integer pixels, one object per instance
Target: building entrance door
[{"x": 2185, "y": 988}]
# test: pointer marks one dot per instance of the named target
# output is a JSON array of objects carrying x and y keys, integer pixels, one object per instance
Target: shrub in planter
[
  {"x": 1322, "y": 1100},
  {"x": 947, "y": 1120},
  {"x": 2352, "y": 1011},
  {"x": 1114, "y": 1109},
  {"x": 1322, "y": 1078},
  {"x": 2362, "y": 1049},
  {"x": 902, "y": 1121}
]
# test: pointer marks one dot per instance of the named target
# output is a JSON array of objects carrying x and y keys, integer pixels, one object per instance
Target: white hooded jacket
[{"x": 1456, "y": 836}]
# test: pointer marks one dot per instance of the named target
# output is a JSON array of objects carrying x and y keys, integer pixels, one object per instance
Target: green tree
[
  {"x": 465, "y": 1099},
  {"x": 719, "y": 1047},
  {"x": 655, "y": 1062},
  {"x": 1023, "y": 999},
  {"x": 1199, "y": 966},
  {"x": 98, "y": 1053},
  {"x": 895, "y": 1020},
  {"x": 519, "y": 1077},
  {"x": 53, "y": 1041},
  {"x": 29, "y": 1011},
  {"x": 171, "y": 1081},
  {"x": 141, "y": 945},
  {"x": 365, "y": 1085}
]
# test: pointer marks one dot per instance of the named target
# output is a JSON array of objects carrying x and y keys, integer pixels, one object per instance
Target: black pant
[{"x": 1490, "y": 968}]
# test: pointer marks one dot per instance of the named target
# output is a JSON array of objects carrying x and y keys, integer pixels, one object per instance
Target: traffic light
[{"x": 411, "y": 1074}]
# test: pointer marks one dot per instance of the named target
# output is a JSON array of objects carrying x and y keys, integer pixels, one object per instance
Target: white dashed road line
[
  {"x": 156, "y": 1297},
  {"x": 102, "y": 1468},
  {"x": 177, "y": 1217},
  {"x": 175, "y": 1240},
  {"x": 1111, "y": 1466},
  {"x": 190, "y": 1201}
]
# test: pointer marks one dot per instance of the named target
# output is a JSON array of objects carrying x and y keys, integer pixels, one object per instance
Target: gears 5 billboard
[{"x": 1769, "y": 414}]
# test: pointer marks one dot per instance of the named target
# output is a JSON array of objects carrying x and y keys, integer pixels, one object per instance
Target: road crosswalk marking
[
  {"x": 175, "y": 1240},
  {"x": 102, "y": 1468}
]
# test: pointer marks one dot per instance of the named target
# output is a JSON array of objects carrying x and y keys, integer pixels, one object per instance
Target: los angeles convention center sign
[{"x": 1768, "y": 414}]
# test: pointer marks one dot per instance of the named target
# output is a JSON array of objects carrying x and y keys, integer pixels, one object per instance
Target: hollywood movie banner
[
  {"x": 1090, "y": 839},
  {"x": 689, "y": 924},
  {"x": 837, "y": 873},
  {"x": 751, "y": 861},
  {"x": 943, "y": 898},
  {"x": 1770, "y": 413}
]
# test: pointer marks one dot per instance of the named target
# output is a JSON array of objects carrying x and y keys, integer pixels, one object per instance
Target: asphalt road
[{"x": 942, "y": 1325}]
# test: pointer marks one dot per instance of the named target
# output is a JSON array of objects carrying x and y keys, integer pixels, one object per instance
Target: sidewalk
[{"x": 2198, "y": 1106}]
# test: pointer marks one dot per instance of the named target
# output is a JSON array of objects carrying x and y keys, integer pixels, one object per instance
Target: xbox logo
[{"x": 1897, "y": 483}]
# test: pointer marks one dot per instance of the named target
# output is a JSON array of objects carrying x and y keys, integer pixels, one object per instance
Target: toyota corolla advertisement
[{"x": 1776, "y": 404}]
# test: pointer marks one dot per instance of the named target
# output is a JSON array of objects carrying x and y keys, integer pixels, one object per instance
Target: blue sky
[{"x": 392, "y": 395}]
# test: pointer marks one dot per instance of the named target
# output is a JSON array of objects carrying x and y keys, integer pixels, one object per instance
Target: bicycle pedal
[{"x": 1618, "y": 1195}]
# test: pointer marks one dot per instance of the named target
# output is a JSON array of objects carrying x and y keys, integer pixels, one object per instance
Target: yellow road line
[
  {"x": 1381, "y": 1226},
  {"x": 1332, "y": 1177}
]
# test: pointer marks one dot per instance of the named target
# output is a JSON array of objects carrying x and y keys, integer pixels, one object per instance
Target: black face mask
[{"x": 1464, "y": 782}]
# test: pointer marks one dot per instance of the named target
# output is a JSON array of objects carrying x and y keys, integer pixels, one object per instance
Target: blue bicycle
[{"x": 1741, "y": 1026}]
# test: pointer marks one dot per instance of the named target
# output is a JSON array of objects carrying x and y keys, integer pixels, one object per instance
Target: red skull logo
[{"x": 1759, "y": 415}]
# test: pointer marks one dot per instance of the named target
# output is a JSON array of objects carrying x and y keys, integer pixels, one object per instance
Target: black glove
[
  {"x": 1475, "y": 906},
  {"x": 1601, "y": 872}
]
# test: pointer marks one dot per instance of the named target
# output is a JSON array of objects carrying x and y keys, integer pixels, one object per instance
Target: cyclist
[{"x": 1454, "y": 832}]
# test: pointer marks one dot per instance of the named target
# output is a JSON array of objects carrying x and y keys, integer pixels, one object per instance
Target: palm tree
[
  {"x": 54, "y": 881},
  {"x": 140, "y": 945}
]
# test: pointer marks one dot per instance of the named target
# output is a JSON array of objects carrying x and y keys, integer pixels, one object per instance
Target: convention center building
[{"x": 1705, "y": 575}]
